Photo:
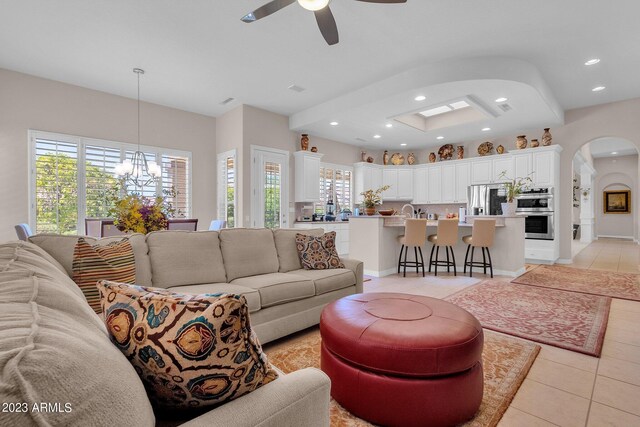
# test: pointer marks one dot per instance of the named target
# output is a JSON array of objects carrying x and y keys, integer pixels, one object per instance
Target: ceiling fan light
[{"x": 313, "y": 5}]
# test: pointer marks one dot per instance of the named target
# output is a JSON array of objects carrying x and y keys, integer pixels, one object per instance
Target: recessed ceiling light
[
  {"x": 614, "y": 152},
  {"x": 486, "y": 129},
  {"x": 377, "y": 136},
  {"x": 334, "y": 123},
  {"x": 598, "y": 88},
  {"x": 503, "y": 99},
  {"x": 440, "y": 137},
  {"x": 593, "y": 61},
  {"x": 389, "y": 125},
  {"x": 420, "y": 98},
  {"x": 404, "y": 145}
]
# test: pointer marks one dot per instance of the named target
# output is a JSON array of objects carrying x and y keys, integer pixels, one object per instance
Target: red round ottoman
[{"x": 403, "y": 360}]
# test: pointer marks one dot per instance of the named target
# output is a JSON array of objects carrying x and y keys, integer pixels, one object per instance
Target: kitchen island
[{"x": 374, "y": 241}]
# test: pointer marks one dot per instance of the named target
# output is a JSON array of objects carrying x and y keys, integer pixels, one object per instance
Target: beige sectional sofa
[{"x": 55, "y": 349}]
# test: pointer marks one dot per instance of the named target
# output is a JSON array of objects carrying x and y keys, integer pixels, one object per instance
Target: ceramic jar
[
  {"x": 460, "y": 151},
  {"x": 385, "y": 158},
  {"x": 304, "y": 142},
  {"x": 535, "y": 143},
  {"x": 521, "y": 142},
  {"x": 432, "y": 157},
  {"x": 411, "y": 158},
  {"x": 314, "y": 149},
  {"x": 546, "y": 137},
  {"x": 500, "y": 149}
]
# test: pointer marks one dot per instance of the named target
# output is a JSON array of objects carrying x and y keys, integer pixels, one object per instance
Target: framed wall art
[{"x": 617, "y": 202}]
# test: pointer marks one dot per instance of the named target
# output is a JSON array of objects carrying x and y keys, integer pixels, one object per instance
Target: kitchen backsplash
[{"x": 439, "y": 209}]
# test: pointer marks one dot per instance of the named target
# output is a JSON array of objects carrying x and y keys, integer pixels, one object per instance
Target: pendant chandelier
[{"x": 137, "y": 170}]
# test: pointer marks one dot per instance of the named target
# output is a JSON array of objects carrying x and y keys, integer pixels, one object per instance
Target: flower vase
[
  {"x": 370, "y": 211},
  {"x": 509, "y": 209}
]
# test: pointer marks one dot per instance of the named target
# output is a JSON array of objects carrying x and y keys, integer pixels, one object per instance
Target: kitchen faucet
[{"x": 411, "y": 211}]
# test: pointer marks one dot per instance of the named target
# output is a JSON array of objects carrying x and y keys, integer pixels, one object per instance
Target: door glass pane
[
  {"x": 272, "y": 183},
  {"x": 230, "y": 190}
]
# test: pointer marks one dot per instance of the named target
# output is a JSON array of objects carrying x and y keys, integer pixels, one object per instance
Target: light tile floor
[{"x": 565, "y": 388}]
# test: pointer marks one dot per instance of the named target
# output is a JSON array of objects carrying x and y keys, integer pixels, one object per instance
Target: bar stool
[
  {"x": 447, "y": 236},
  {"x": 482, "y": 236},
  {"x": 415, "y": 231}
]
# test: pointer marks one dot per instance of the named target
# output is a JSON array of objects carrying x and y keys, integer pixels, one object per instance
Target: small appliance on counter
[
  {"x": 330, "y": 214},
  {"x": 307, "y": 214},
  {"x": 317, "y": 218},
  {"x": 432, "y": 216},
  {"x": 462, "y": 214},
  {"x": 345, "y": 214}
]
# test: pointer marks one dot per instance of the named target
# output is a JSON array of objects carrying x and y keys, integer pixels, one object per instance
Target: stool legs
[
  {"x": 400, "y": 258},
  {"x": 484, "y": 264},
  {"x": 422, "y": 261},
  {"x": 455, "y": 273},
  {"x": 431, "y": 257},
  {"x": 404, "y": 273},
  {"x": 466, "y": 257},
  {"x": 417, "y": 263},
  {"x": 451, "y": 260},
  {"x": 490, "y": 262}
]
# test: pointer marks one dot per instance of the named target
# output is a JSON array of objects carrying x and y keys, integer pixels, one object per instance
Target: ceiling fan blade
[
  {"x": 384, "y": 1},
  {"x": 327, "y": 24},
  {"x": 266, "y": 10}
]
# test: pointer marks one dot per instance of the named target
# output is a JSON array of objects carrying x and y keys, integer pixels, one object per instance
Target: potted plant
[
  {"x": 513, "y": 187},
  {"x": 372, "y": 198}
]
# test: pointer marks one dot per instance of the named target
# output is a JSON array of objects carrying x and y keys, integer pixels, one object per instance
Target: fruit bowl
[{"x": 387, "y": 212}]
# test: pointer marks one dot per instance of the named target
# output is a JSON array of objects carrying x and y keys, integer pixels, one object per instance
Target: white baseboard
[
  {"x": 564, "y": 261},
  {"x": 460, "y": 269},
  {"x": 539, "y": 261},
  {"x": 609, "y": 236}
]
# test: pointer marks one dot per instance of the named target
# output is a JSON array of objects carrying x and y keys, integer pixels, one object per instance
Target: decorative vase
[
  {"x": 509, "y": 209},
  {"x": 370, "y": 211},
  {"x": 485, "y": 148},
  {"x": 363, "y": 156},
  {"x": 385, "y": 158},
  {"x": 521, "y": 142},
  {"x": 546, "y": 137},
  {"x": 369, "y": 159},
  {"x": 535, "y": 143},
  {"x": 432, "y": 157},
  {"x": 304, "y": 142},
  {"x": 500, "y": 149},
  {"x": 314, "y": 149},
  {"x": 411, "y": 158},
  {"x": 460, "y": 151}
]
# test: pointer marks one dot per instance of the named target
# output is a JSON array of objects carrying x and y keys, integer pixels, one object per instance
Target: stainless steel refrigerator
[{"x": 485, "y": 199}]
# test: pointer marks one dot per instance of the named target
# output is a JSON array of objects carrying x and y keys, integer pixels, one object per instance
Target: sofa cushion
[
  {"x": 54, "y": 349},
  {"x": 185, "y": 258},
  {"x": 114, "y": 261},
  {"x": 329, "y": 280},
  {"x": 285, "y": 240},
  {"x": 61, "y": 248},
  {"x": 318, "y": 253},
  {"x": 190, "y": 350},
  {"x": 278, "y": 288},
  {"x": 248, "y": 252},
  {"x": 252, "y": 295}
]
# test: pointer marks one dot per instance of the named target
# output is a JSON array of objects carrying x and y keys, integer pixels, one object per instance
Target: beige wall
[
  {"x": 620, "y": 173},
  {"x": 229, "y": 136},
  {"x": 28, "y": 102}
]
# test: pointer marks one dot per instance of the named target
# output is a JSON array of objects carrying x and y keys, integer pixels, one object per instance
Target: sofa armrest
[
  {"x": 300, "y": 398},
  {"x": 358, "y": 269}
]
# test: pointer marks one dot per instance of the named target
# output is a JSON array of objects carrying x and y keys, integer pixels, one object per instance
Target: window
[
  {"x": 227, "y": 187},
  {"x": 335, "y": 185},
  {"x": 73, "y": 178}
]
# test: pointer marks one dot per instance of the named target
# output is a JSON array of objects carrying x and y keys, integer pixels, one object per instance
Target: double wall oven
[{"x": 537, "y": 204}]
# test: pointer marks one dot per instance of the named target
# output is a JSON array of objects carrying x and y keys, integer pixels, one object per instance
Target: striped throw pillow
[{"x": 114, "y": 261}]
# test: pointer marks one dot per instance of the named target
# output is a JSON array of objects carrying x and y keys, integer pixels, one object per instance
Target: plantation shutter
[
  {"x": 100, "y": 179},
  {"x": 175, "y": 180}
]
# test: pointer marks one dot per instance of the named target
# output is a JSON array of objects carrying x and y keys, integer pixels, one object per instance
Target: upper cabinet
[
  {"x": 400, "y": 182},
  {"x": 542, "y": 164},
  {"x": 434, "y": 184},
  {"x": 502, "y": 168},
  {"x": 366, "y": 176},
  {"x": 488, "y": 170},
  {"x": 463, "y": 179},
  {"x": 307, "y": 174},
  {"x": 420, "y": 190}
]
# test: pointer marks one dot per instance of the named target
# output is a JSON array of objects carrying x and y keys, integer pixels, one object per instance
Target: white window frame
[
  {"x": 81, "y": 143},
  {"x": 344, "y": 168},
  {"x": 222, "y": 184},
  {"x": 255, "y": 175}
]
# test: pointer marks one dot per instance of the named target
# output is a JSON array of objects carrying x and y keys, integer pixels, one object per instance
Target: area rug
[
  {"x": 506, "y": 362},
  {"x": 569, "y": 320},
  {"x": 609, "y": 284}
]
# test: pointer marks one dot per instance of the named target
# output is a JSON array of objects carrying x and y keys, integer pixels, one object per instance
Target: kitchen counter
[{"x": 375, "y": 242}]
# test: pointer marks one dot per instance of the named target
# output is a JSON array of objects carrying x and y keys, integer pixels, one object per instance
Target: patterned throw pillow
[
  {"x": 114, "y": 261},
  {"x": 189, "y": 350},
  {"x": 318, "y": 253}
]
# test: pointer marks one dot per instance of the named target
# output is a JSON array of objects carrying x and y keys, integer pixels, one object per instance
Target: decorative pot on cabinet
[
  {"x": 411, "y": 158},
  {"x": 546, "y": 137},
  {"x": 460, "y": 150},
  {"x": 363, "y": 156},
  {"x": 535, "y": 143},
  {"x": 485, "y": 148},
  {"x": 432, "y": 157},
  {"x": 314, "y": 149},
  {"x": 370, "y": 211},
  {"x": 369, "y": 159},
  {"x": 521, "y": 142},
  {"x": 500, "y": 149},
  {"x": 304, "y": 142},
  {"x": 385, "y": 158}
]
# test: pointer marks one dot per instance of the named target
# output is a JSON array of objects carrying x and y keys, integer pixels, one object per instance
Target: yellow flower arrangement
[{"x": 139, "y": 214}]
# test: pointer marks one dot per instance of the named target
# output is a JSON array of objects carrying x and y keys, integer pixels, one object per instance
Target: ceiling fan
[{"x": 320, "y": 8}]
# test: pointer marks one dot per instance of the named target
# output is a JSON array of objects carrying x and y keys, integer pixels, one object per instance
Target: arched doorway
[{"x": 606, "y": 165}]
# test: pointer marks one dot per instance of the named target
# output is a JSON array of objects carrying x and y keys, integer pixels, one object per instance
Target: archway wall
[
  {"x": 583, "y": 125},
  {"x": 616, "y": 225}
]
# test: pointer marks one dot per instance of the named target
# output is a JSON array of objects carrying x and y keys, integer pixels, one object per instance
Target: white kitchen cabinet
[
  {"x": 522, "y": 165},
  {"x": 307, "y": 174},
  {"x": 462, "y": 182},
  {"x": 366, "y": 176},
  {"x": 400, "y": 182},
  {"x": 434, "y": 184},
  {"x": 448, "y": 187},
  {"x": 502, "y": 164},
  {"x": 481, "y": 171},
  {"x": 420, "y": 190},
  {"x": 543, "y": 165}
]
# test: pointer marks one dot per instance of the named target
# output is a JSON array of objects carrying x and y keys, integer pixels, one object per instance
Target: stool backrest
[
  {"x": 447, "y": 232},
  {"x": 415, "y": 232},
  {"x": 483, "y": 232}
]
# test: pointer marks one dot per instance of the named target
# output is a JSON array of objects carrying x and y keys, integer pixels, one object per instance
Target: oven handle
[
  {"x": 536, "y": 213},
  {"x": 528, "y": 197}
]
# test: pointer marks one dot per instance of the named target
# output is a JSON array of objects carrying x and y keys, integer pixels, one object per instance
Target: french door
[{"x": 270, "y": 192}]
